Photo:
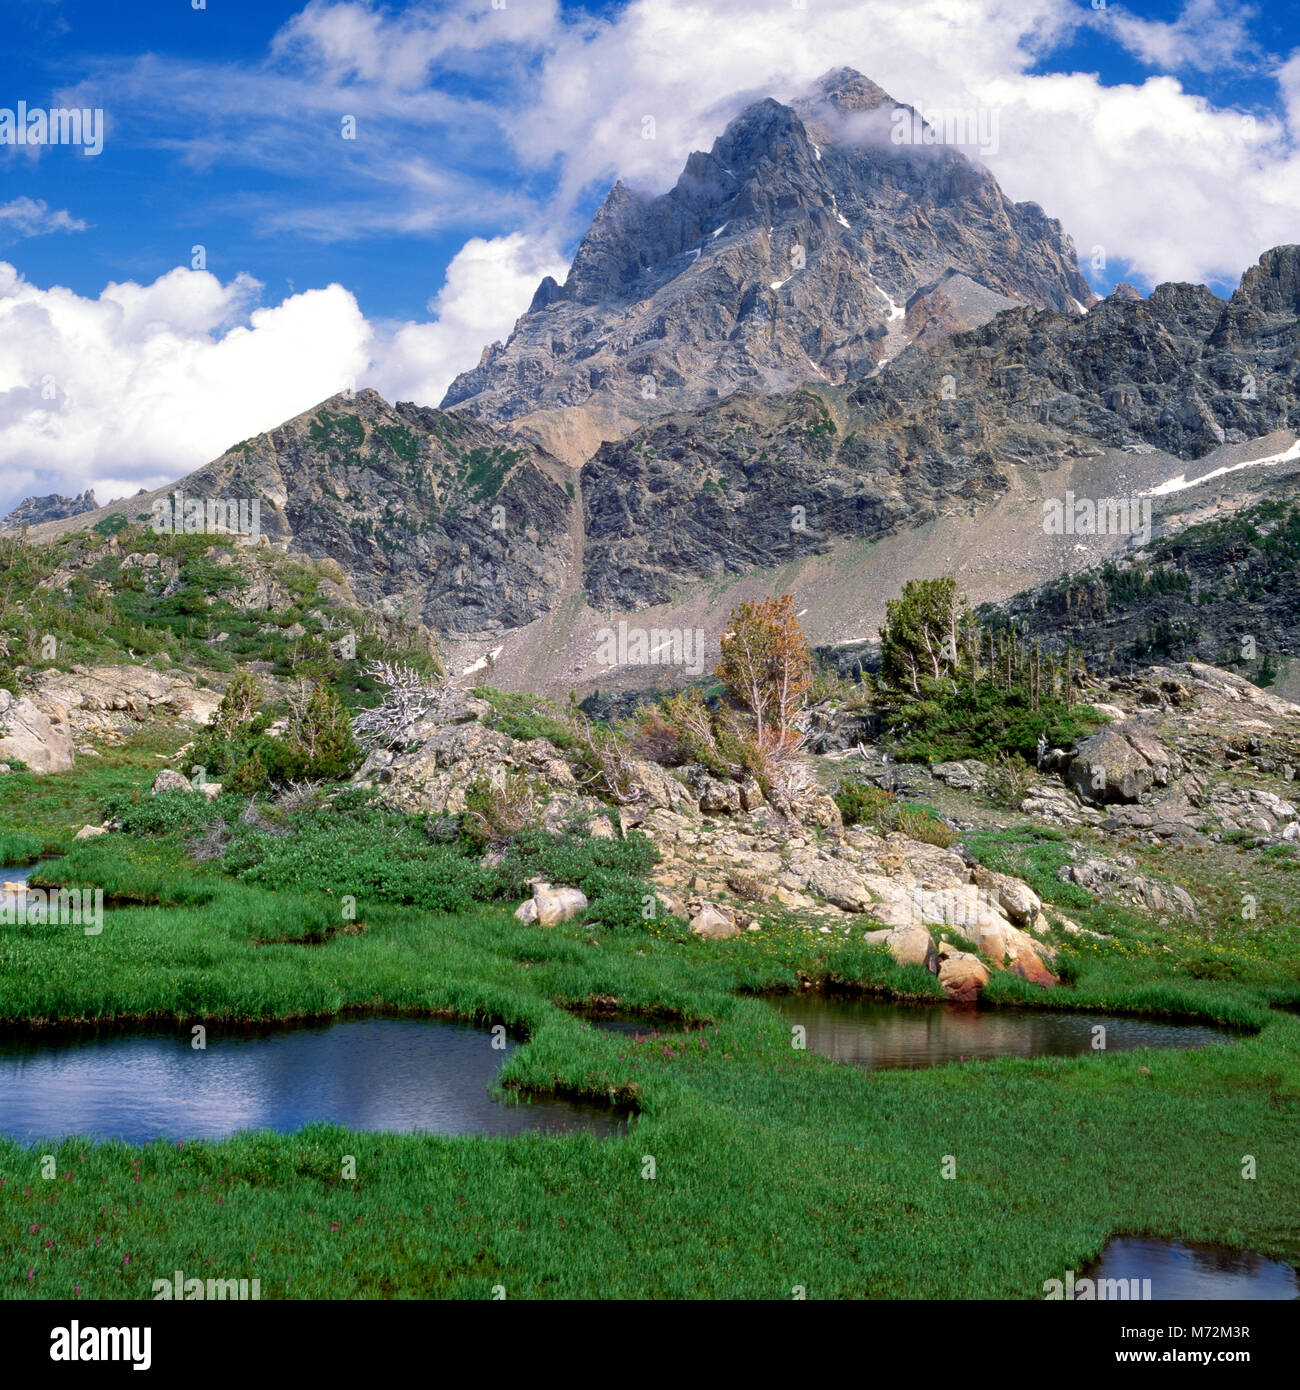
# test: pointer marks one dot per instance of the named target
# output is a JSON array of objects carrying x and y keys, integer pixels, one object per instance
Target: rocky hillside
[
  {"x": 1220, "y": 590},
  {"x": 1182, "y": 371},
  {"x": 756, "y": 482},
  {"x": 728, "y": 860},
  {"x": 104, "y": 631},
  {"x": 433, "y": 517},
  {"x": 1193, "y": 756},
  {"x": 809, "y": 244},
  {"x": 759, "y": 482}
]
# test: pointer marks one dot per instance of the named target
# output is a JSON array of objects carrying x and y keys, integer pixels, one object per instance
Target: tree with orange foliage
[{"x": 766, "y": 668}]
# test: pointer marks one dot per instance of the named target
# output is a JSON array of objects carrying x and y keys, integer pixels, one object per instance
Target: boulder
[
  {"x": 1022, "y": 959},
  {"x": 549, "y": 906},
  {"x": 169, "y": 780},
  {"x": 962, "y": 976},
  {"x": 968, "y": 775},
  {"x": 35, "y": 736},
  {"x": 751, "y": 794},
  {"x": 672, "y": 903},
  {"x": 812, "y": 806},
  {"x": 991, "y": 941},
  {"x": 658, "y": 788},
  {"x": 1018, "y": 900},
  {"x": 719, "y": 798},
  {"x": 712, "y": 923},
  {"x": 913, "y": 945},
  {"x": 88, "y": 832},
  {"x": 1107, "y": 768},
  {"x": 110, "y": 700}
]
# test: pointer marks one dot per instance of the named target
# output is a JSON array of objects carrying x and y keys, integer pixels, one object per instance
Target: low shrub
[
  {"x": 498, "y": 809},
  {"x": 963, "y": 723},
  {"x": 1008, "y": 780},
  {"x": 863, "y": 803}
]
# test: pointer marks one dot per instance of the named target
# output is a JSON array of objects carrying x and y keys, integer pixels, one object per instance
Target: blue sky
[
  {"x": 147, "y": 205},
  {"x": 486, "y": 136}
]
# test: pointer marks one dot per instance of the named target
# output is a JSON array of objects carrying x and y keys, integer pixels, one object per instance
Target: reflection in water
[
  {"x": 634, "y": 1025},
  {"x": 879, "y": 1035},
  {"x": 373, "y": 1074},
  {"x": 1196, "y": 1272},
  {"x": 9, "y": 899}
]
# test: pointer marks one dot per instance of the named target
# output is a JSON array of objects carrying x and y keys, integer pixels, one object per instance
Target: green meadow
[{"x": 751, "y": 1169}]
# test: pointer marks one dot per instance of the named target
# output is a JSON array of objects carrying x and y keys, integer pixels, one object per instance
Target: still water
[
  {"x": 1195, "y": 1271},
  {"x": 399, "y": 1075},
  {"x": 878, "y": 1035}
]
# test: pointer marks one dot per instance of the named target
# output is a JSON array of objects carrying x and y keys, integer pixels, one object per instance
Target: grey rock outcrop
[
  {"x": 32, "y": 511},
  {"x": 39, "y": 736}
]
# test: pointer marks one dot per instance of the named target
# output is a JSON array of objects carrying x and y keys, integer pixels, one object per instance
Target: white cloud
[
  {"x": 148, "y": 382},
  {"x": 488, "y": 285},
  {"x": 24, "y": 217},
  {"x": 1207, "y": 36}
]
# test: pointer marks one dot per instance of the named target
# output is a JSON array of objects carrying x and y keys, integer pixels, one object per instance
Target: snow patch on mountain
[{"x": 1182, "y": 482}]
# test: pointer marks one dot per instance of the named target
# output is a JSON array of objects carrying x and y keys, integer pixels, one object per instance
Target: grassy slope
[
  {"x": 775, "y": 1168},
  {"x": 109, "y": 612}
]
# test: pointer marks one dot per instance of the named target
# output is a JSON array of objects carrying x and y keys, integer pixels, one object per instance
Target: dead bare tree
[{"x": 410, "y": 698}]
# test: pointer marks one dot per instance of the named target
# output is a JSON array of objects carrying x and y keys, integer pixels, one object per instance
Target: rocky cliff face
[
  {"x": 1183, "y": 370},
  {"x": 789, "y": 253},
  {"x": 432, "y": 516},
  {"x": 752, "y": 481},
  {"x": 32, "y": 511}
]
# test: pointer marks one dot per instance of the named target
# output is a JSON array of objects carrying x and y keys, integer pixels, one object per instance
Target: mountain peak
[
  {"x": 848, "y": 90},
  {"x": 32, "y": 511},
  {"x": 781, "y": 256}
]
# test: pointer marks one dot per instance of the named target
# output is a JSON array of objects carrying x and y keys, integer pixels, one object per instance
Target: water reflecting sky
[
  {"x": 1195, "y": 1272},
  {"x": 377, "y": 1074}
]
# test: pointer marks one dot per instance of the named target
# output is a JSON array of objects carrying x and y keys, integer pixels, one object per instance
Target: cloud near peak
[{"x": 145, "y": 383}]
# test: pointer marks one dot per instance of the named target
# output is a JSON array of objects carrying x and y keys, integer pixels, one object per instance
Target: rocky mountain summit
[
  {"x": 32, "y": 511},
  {"x": 809, "y": 244}
]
